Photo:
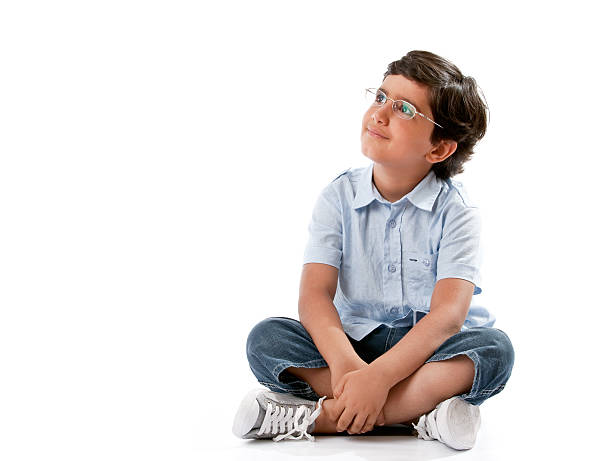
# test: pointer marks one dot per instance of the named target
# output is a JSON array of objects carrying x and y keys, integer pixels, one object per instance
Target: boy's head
[{"x": 442, "y": 94}]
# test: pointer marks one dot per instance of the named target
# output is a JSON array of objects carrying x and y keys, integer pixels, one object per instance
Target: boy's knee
[
  {"x": 504, "y": 345},
  {"x": 502, "y": 351},
  {"x": 264, "y": 336}
]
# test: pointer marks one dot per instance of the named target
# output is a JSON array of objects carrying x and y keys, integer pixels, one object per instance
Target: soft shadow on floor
[{"x": 388, "y": 442}]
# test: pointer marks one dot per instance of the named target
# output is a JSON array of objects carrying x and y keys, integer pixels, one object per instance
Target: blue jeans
[{"x": 278, "y": 343}]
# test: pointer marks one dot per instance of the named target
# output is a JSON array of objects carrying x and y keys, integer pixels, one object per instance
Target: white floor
[{"x": 364, "y": 447}]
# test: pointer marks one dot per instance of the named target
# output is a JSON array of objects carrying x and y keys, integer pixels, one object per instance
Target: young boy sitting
[{"x": 388, "y": 332}]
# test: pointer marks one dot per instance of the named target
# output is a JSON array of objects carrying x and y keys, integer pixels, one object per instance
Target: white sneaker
[
  {"x": 264, "y": 414},
  {"x": 453, "y": 422}
]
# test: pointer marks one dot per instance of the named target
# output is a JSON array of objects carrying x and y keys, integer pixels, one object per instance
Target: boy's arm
[
  {"x": 450, "y": 303},
  {"x": 320, "y": 318}
]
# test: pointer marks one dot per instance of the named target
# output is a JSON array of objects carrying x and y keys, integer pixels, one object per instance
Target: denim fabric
[
  {"x": 277, "y": 343},
  {"x": 391, "y": 255}
]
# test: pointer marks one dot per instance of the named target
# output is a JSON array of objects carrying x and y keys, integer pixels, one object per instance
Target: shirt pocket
[{"x": 419, "y": 278}]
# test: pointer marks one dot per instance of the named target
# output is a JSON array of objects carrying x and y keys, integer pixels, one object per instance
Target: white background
[{"x": 159, "y": 165}]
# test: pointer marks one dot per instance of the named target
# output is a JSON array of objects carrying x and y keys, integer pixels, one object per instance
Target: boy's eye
[
  {"x": 380, "y": 97},
  {"x": 406, "y": 109}
]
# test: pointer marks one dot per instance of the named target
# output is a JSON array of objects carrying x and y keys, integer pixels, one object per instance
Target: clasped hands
[{"x": 360, "y": 397}]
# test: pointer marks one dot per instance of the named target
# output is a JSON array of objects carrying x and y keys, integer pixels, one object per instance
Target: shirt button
[
  {"x": 391, "y": 268},
  {"x": 394, "y": 310},
  {"x": 392, "y": 223},
  {"x": 426, "y": 262}
]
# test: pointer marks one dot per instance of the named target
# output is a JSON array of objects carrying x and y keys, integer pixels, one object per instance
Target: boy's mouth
[{"x": 376, "y": 134}]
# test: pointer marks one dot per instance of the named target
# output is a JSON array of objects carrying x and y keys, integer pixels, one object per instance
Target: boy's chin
[{"x": 371, "y": 154}]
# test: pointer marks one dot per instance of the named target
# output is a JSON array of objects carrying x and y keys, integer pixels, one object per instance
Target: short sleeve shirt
[{"x": 390, "y": 255}]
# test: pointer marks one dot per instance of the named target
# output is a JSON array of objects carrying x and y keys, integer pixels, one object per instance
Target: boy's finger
[
  {"x": 339, "y": 388},
  {"x": 358, "y": 424},
  {"x": 345, "y": 420},
  {"x": 369, "y": 425},
  {"x": 380, "y": 420}
]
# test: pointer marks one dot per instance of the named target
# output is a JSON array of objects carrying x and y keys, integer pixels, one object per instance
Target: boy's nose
[{"x": 382, "y": 113}]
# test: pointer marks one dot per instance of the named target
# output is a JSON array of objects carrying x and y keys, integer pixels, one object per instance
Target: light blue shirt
[{"x": 390, "y": 255}]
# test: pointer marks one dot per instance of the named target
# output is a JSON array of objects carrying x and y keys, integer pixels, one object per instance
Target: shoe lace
[
  {"x": 426, "y": 427},
  {"x": 279, "y": 419}
]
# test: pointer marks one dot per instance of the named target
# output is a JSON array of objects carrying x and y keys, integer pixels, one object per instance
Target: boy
[{"x": 388, "y": 333}]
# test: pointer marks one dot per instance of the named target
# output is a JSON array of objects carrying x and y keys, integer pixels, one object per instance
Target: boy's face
[{"x": 405, "y": 142}]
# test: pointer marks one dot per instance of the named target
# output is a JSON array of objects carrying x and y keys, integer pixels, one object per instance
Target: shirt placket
[{"x": 392, "y": 269}]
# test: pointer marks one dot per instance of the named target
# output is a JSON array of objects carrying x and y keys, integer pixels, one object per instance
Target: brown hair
[{"x": 455, "y": 102}]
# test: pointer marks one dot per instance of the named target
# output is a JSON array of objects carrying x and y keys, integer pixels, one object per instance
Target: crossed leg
[{"x": 416, "y": 395}]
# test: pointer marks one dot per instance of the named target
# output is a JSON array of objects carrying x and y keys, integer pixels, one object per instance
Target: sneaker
[
  {"x": 264, "y": 414},
  {"x": 453, "y": 422}
]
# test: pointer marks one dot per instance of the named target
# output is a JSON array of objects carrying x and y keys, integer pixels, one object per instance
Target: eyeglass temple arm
[{"x": 425, "y": 116}]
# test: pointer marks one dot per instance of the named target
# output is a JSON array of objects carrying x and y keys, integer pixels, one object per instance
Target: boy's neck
[{"x": 393, "y": 184}]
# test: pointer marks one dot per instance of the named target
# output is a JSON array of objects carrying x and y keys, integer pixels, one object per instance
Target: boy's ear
[{"x": 444, "y": 149}]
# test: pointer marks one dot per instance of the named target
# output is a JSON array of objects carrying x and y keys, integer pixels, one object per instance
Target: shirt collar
[{"x": 422, "y": 196}]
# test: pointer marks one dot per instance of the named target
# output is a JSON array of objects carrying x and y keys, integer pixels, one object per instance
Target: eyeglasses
[{"x": 402, "y": 108}]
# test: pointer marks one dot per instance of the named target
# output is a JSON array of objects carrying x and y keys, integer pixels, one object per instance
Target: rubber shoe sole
[{"x": 247, "y": 414}]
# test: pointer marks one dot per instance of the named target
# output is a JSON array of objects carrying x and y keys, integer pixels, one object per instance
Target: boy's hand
[
  {"x": 340, "y": 369},
  {"x": 361, "y": 397}
]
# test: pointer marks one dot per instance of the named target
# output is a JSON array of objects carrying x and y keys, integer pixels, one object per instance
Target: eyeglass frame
[{"x": 376, "y": 90}]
